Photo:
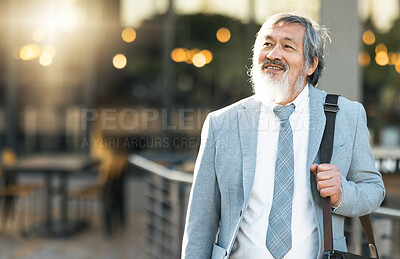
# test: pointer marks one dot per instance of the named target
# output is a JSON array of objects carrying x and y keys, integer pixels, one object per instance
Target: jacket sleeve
[
  {"x": 203, "y": 215},
  {"x": 363, "y": 190}
]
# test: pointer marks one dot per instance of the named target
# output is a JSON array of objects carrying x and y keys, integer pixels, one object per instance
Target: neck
[{"x": 292, "y": 97}]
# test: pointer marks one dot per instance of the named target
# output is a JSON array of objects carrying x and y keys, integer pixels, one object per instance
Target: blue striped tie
[{"x": 279, "y": 234}]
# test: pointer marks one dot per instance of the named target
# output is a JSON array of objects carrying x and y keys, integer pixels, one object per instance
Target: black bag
[{"x": 331, "y": 108}]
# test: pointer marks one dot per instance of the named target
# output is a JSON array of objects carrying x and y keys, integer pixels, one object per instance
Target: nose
[{"x": 275, "y": 53}]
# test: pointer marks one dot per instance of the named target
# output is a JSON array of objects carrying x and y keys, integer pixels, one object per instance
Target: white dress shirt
[{"x": 250, "y": 241}]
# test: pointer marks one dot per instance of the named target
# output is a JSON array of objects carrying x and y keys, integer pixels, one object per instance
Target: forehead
[{"x": 292, "y": 31}]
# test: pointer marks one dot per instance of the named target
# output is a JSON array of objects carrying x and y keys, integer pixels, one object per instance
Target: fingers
[
  {"x": 314, "y": 168},
  {"x": 327, "y": 167},
  {"x": 323, "y": 167},
  {"x": 323, "y": 176},
  {"x": 334, "y": 183},
  {"x": 329, "y": 191}
]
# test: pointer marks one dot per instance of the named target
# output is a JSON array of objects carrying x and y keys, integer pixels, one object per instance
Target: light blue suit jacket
[{"x": 225, "y": 167}]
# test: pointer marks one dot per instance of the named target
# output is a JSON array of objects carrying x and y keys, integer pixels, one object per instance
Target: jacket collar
[{"x": 248, "y": 118}]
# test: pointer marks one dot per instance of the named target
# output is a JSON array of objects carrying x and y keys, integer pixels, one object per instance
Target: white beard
[{"x": 269, "y": 89}]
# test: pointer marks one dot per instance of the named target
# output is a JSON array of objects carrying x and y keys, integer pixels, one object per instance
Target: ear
[{"x": 312, "y": 67}]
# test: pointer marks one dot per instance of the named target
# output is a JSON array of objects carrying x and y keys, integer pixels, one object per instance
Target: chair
[{"x": 12, "y": 193}]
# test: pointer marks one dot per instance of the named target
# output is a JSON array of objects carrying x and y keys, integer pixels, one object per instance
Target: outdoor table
[{"x": 51, "y": 165}]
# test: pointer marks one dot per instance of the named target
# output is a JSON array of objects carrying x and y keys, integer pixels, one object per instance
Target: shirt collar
[{"x": 301, "y": 100}]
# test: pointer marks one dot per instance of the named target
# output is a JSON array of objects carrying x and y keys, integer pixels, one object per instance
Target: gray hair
[{"x": 315, "y": 40}]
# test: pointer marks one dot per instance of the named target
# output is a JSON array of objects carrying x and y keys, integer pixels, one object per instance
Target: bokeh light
[
  {"x": 223, "y": 35},
  {"x": 392, "y": 58},
  {"x": 119, "y": 61},
  {"x": 179, "y": 54},
  {"x": 29, "y": 52},
  {"x": 193, "y": 52},
  {"x": 199, "y": 60},
  {"x": 368, "y": 37},
  {"x": 128, "y": 35},
  {"x": 208, "y": 55},
  {"x": 191, "y": 56},
  {"x": 45, "y": 59},
  {"x": 380, "y": 47},
  {"x": 364, "y": 59},
  {"x": 382, "y": 58}
]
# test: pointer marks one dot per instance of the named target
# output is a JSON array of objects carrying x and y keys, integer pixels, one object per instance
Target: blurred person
[{"x": 258, "y": 180}]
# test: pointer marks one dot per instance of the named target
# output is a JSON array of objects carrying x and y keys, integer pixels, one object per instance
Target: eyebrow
[{"x": 268, "y": 37}]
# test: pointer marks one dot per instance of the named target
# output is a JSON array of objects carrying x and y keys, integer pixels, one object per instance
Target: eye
[
  {"x": 288, "y": 47},
  {"x": 267, "y": 44}
]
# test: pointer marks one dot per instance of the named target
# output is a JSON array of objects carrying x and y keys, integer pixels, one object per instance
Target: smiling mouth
[{"x": 271, "y": 67}]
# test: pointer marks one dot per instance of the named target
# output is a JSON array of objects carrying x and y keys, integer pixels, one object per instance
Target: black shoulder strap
[{"x": 331, "y": 108}]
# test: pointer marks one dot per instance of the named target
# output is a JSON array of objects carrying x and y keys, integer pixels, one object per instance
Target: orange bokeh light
[
  {"x": 128, "y": 35},
  {"x": 223, "y": 35},
  {"x": 382, "y": 58},
  {"x": 368, "y": 37}
]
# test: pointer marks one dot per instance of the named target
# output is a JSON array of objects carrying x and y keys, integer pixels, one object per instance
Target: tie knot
[{"x": 284, "y": 112}]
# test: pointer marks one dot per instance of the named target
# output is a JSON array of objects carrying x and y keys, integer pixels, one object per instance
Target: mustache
[{"x": 274, "y": 62}]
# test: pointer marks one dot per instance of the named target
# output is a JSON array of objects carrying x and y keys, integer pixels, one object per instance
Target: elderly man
[{"x": 258, "y": 180}]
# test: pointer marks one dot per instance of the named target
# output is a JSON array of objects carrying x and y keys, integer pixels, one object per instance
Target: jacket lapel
[
  {"x": 316, "y": 124},
  {"x": 316, "y": 131},
  {"x": 248, "y": 132}
]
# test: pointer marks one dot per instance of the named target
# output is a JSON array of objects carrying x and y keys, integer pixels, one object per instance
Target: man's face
[
  {"x": 282, "y": 51},
  {"x": 281, "y": 62}
]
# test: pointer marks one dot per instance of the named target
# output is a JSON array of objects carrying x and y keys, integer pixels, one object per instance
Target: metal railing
[{"x": 167, "y": 195}]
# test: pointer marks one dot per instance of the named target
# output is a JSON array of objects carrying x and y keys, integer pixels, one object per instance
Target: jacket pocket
[{"x": 218, "y": 252}]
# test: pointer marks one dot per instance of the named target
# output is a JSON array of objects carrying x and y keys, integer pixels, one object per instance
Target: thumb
[{"x": 314, "y": 168}]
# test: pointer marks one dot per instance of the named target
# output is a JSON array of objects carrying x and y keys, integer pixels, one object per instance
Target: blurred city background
[{"x": 102, "y": 104}]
